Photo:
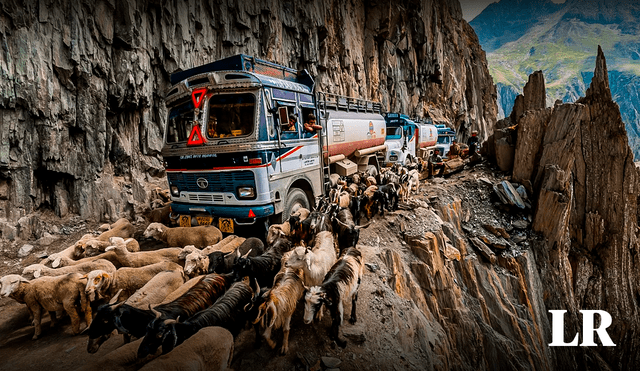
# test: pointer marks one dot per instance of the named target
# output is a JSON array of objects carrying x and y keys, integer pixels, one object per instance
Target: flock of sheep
[{"x": 166, "y": 296}]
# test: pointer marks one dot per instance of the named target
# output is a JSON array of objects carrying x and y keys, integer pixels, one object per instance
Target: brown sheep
[
  {"x": 51, "y": 294},
  {"x": 210, "y": 349},
  {"x": 157, "y": 289},
  {"x": 38, "y": 270},
  {"x": 142, "y": 258},
  {"x": 200, "y": 236},
  {"x": 121, "y": 228},
  {"x": 101, "y": 284}
]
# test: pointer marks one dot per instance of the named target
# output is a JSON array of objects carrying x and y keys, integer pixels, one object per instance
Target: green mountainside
[{"x": 522, "y": 36}]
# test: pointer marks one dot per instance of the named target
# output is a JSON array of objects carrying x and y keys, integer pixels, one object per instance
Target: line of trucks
[{"x": 237, "y": 150}]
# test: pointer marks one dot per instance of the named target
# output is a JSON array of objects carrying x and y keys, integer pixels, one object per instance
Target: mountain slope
[{"x": 561, "y": 40}]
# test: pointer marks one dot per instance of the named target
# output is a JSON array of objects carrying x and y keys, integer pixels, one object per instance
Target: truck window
[
  {"x": 394, "y": 132},
  {"x": 231, "y": 115},
  {"x": 180, "y": 121}
]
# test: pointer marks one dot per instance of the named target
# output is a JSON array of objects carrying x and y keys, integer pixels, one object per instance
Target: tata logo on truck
[{"x": 202, "y": 183}]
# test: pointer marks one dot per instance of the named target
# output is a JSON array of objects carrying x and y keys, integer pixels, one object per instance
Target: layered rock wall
[
  {"x": 576, "y": 160},
  {"x": 82, "y": 82}
]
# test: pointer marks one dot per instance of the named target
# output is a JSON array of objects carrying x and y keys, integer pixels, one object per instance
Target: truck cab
[
  {"x": 446, "y": 136},
  {"x": 406, "y": 138}
]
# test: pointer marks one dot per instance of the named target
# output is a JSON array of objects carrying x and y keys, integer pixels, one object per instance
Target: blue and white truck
[
  {"x": 406, "y": 138},
  {"x": 231, "y": 157}
]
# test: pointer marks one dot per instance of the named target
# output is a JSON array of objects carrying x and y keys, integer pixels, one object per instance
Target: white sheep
[
  {"x": 414, "y": 181},
  {"x": 314, "y": 262},
  {"x": 196, "y": 261},
  {"x": 101, "y": 284},
  {"x": 95, "y": 245},
  {"x": 38, "y": 270},
  {"x": 200, "y": 236},
  {"x": 51, "y": 294}
]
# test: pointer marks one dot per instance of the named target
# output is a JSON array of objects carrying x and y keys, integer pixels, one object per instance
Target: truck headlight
[
  {"x": 246, "y": 192},
  {"x": 175, "y": 192}
]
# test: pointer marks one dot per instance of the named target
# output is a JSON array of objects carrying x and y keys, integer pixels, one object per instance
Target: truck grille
[
  {"x": 205, "y": 197},
  {"x": 217, "y": 182}
]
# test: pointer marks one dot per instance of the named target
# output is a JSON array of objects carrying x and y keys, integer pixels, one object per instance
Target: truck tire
[{"x": 295, "y": 200}]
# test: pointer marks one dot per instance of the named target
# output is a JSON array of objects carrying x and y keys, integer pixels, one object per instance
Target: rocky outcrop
[
  {"x": 81, "y": 83},
  {"x": 576, "y": 159}
]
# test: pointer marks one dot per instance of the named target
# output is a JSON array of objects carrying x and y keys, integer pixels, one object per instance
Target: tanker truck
[
  {"x": 235, "y": 150},
  {"x": 407, "y": 139}
]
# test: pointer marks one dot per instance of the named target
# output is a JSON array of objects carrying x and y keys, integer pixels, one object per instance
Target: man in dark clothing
[
  {"x": 435, "y": 162},
  {"x": 454, "y": 150},
  {"x": 472, "y": 142}
]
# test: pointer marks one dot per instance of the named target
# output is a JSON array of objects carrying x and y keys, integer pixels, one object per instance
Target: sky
[{"x": 471, "y": 8}]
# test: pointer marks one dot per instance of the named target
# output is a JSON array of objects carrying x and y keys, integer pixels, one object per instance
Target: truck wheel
[{"x": 295, "y": 200}]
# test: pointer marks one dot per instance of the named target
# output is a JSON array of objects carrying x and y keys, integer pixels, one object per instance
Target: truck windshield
[
  {"x": 180, "y": 121},
  {"x": 231, "y": 115},
  {"x": 443, "y": 140},
  {"x": 394, "y": 132}
]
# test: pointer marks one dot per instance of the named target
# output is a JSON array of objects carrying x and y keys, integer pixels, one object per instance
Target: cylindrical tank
[
  {"x": 428, "y": 135},
  {"x": 351, "y": 131}
]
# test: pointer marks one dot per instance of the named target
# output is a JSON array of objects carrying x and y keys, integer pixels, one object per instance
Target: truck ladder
[{"x": 323, "y": 139}]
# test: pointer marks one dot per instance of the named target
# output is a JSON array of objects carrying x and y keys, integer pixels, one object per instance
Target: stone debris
[
  {"x": 331, "y": 362},
  {"x": 508, "y": 194},
  {"x": 484, "y": 250},
  {"x": 46, "y": 240},
  {"x": 520, "y": 224},
  {"x": 25, "y": 250}
]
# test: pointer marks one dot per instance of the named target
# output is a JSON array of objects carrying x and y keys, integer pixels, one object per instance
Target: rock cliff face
[
  {"x": 576, "y": 160},
  {"x": 81, "y": 83}
]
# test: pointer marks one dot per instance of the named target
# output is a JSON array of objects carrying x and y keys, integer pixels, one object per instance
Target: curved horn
[
  {"x": 257, "y": 290},
  {"x": 238, "y": 253},
  {"x": 363, "y": 226},
  {"x": 114, "y": 299},
  {"x": 247, "y": 254},
  {"x": 341, "y": 223},
  {"x": 155, "y": 312}
]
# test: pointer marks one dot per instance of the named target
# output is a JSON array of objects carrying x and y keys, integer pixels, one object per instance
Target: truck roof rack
[
  {"x": 242, "y": 62},
  {"x": 341, "y": 103}
]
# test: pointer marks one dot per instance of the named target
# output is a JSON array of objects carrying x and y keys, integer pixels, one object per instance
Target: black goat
[
  {"x": 390, "y": 197},
  {"x": 263, "y": 268},
  {"x": 348, "y": 232},
  {"x": 228, "y": 312},
  {"x": 128, "y": 320},
  {"x": 220, "y": 262},
  {"x": 340, "y": 284},
  {"x": 199, "y": 297}
]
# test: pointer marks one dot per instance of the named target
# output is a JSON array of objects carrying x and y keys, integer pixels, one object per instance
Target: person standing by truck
[
  {"x": 454, "y": 150},
  {"x": 472, "y": 142},
  {"x": 435, "y": 162}
]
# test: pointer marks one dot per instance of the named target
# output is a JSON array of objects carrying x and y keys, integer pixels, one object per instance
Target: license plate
[
  {"x": 204, "y": 220},
  {"x": 185, "y": 220},
  {"x": 225, "y": 225}
]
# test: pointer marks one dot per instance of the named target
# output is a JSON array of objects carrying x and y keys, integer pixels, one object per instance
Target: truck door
[{"x": 290, "y": 154}]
